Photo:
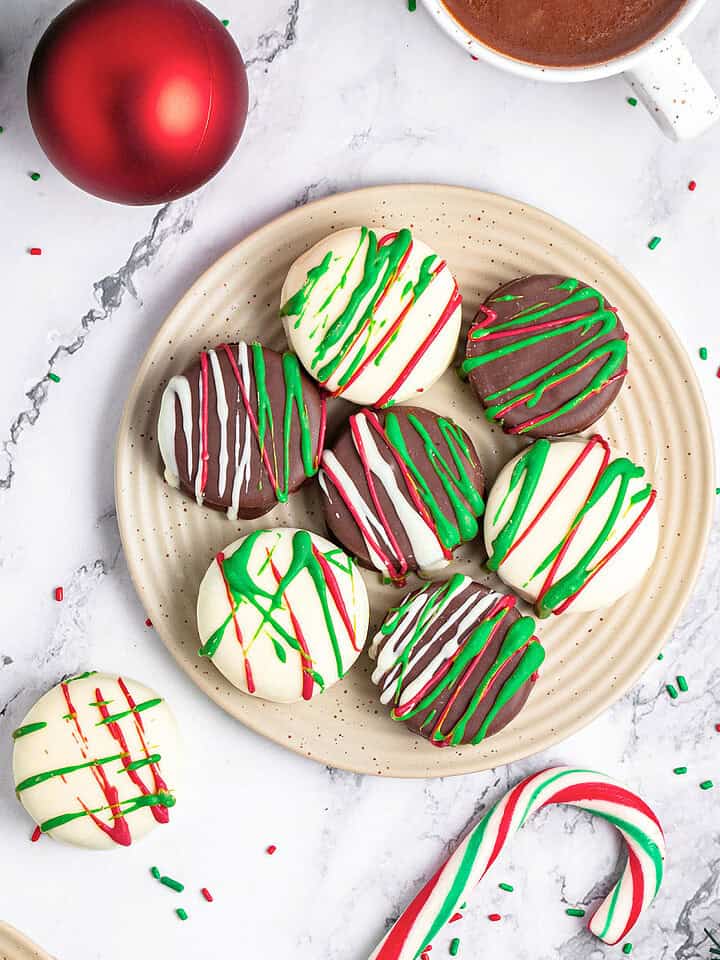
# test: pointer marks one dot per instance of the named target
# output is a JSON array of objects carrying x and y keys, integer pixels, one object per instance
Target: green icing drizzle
[
  {"x": 294, "y": 401},
  {"x": 531, "y": 388},
  {"x": 297, "y": 304},
  {"x": 138, "y": 708},
  {"x": 162, "y": 799},
  {"x": 467, "y": 503},
  {"x": 28, "y": 728},
  {"x": 37, "y": 778},
  {"x": 144, "y": 762}
]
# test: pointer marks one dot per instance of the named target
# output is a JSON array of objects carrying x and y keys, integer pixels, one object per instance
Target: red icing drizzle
[
  {"x": 305, "y": 658},
  {"x": 336, "y": 594},
  {"x": 219, "y": 558}
]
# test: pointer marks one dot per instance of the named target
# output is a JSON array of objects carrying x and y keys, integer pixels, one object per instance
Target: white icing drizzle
[
  {"x": 199, "y": 493},
  {"x": 223, "y": 413},
  {"x": 177, "y": 387},
  {"x": 471, "y": 610}
]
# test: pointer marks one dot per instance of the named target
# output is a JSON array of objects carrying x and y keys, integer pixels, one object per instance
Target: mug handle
[{"x": 670, "y": 84}]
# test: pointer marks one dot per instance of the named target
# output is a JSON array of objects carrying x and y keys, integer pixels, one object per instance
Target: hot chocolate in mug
[{"x": 660, "y": 69}]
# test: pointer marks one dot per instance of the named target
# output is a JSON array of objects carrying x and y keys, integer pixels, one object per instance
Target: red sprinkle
[
  {"x": 692, "y": 185},
  {"x": 148, "y": 622},
  {"x": 455, "y": 917},
  {"x": 35, "y": 251},
  {"x": 36, "y": 834},
  {"x": 494, "y": 917},
  {"x": 271, "y": 849},
  {"x": 717, "y": 727},
  {"x": 59, "y": 594},
  {"x": 206, "y": 893}
]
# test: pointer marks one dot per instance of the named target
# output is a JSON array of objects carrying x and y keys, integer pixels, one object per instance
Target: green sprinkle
[
  {"x": 680, "y": 770},
  {"x": 2, "y": 129},
  {"x": 661, "y": 656},
  {"x": 454, "y": 946},
  {"x": 54, "y": 377},
  {"x": 654, "y": 242},
  {"x": 627, "y": 948},
  {"x": 672, "y": 691},
  {"x": 682, "y": 683},
  {"x": 173, "y": 884},
  {"x": 707, "y": 785},
  {"x": 575, "y": 912},
  {"x": 225, "y": 23},
  {"x": 632, "y": 101},
  {"x": 412, "y": 5},
  {"x": 717, "y": 491},
  {"x": 35, "y": 175},
  {"x": 181, "y": 913},
  {"x": 703, "y": 353},
  {"x": 155, "y": 872},
  {"x": 506, "y": 886}
]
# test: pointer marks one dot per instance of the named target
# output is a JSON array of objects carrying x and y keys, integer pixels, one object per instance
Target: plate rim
[{"x": 706, "y": 505}]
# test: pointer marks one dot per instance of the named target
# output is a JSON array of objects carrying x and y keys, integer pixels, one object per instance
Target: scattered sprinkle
[
  {"x": 672, "y": 691},
  {"x": 661, "y": 656},
  {"x": 494, "y": 917},
  {"x": 463, "y": 905},
  {"x": 59, "y": 594},
  {"x": 35, "y": 251},
  {"x": 680, "y": 770},
  {"x": 692, "y": 185},
  {"x": 271, "y": 849},
  {"x": 206, "y": 893},
  {"x": 717, "y": 373},
  {"x": 173, "y": 884},
  {"x": 627, "y": 948},
  {"x": 717, "y": 491},
  {"x": 181, "y": 913},
  {"x": 682, "y": 683},
  {"x": 36, "y": 834},
  {"x": 707, "y": 785},
  {"x": 2, "y": 129},
  {"x": 225, "y": 23},
  {"x": 412, "y": 5},
  {"x": 54, "y": 377},
  {"x": 155, "y": 872},
  {"x": 454, "y": 946},
  {"x": 506, "y": 886},
  {"x": 575, "y": 912},
  {"x": 632, "y": 101},
  {"x": 654, "y": 242},
  {"x": 703, "y": 353},
  {"x": 717, "y": 727},
  {"x": 455, "y": 917},
  {"x": 148, "y": 622},
  {"x": 34, "y": 175}
]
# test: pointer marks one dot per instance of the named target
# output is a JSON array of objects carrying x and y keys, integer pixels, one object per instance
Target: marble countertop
[{"x": 342, "y": 95}]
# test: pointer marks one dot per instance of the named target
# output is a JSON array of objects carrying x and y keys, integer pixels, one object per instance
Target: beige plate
[
  {"x": 16, "y": 946},
  {"x": 659, "y": 420}
]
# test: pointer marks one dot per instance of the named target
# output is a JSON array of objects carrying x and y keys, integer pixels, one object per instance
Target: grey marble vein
[
  {"x": 271, "y": 44},
  {"x": 171, "y": 220}
]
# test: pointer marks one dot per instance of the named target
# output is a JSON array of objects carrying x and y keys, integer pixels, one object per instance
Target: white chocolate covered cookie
[
  {"x": 282, "y": 613},
  {"x": 374, "y": 317},
  {"x": 571, "y": 525},
  {"x": 95, "y": 761}
]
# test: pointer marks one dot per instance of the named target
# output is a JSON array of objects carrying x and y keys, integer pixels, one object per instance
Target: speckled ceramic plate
[
  {"x": 659, "y": 420},
  {"x": 16, "y": 946}
]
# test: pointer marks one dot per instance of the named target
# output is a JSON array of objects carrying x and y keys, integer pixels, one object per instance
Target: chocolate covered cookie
[
  {"x": 547, "y": 355},
  {"x": 456, "y": 661},
  {"x": 241, "y": 429},
  {"x": 402, "y": 489}
]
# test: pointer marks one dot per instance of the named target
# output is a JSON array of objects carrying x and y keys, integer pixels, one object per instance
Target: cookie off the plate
[{"x": 373, "y": 316}]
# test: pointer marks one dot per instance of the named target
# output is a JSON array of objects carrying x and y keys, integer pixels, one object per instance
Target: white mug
[{"x": 660, "y": 71}]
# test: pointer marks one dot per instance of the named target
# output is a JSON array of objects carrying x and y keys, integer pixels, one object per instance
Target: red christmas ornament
[{"x": 137, "y": 101}]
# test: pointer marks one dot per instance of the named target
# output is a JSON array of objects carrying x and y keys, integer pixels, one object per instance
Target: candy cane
[{"x": 595, "y": 792}]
